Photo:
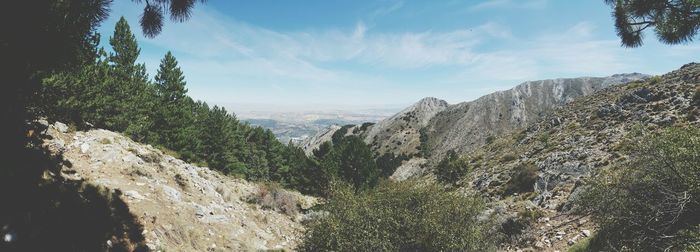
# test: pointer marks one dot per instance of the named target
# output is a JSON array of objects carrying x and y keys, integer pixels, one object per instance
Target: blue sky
[{"x": 332, "y": 53}]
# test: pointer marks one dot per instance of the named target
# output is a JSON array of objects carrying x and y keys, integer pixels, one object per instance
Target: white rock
[
  {"x": 43, "y": 122},
  {"x": 84, "y": 147},
  {"x": 172, "y": 193},
  {"x": 60, "y": 127},
  {"x": 134, "y": 195},
  {"x": 539, "y": 244},
  {"x": 586, "y": 232}
]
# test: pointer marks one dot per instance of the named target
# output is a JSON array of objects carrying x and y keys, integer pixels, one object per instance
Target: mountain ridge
[{"x": 425, "y": 131}]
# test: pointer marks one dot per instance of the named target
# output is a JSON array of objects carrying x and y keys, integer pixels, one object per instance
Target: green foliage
[
  {"x": 366, "y": 125},
  {"x": 580, "y": 246},
  {"x": 351, "y": 160},
  {"x": 388, "y": 162},
  {"x": 674, "y": 21},
  {"x": 42, "y": 38},
  {"x": 654, "y": 80},
  {"x": 523, "y": 180},
  {"x": 322, "y": 150},
  {"x": 508, "y": 157},
  {"x": 451, "y": 168},
  {"x": 174, "y": 119},
  {"x": 399, "y": 216},
  {"x": 650, "y": 202},
  {"x": 340, "y": 133},
  {"x": 423, "y": 138}
]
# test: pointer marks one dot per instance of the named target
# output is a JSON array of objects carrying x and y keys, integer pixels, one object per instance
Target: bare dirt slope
[{"x": 183, "y": 207}]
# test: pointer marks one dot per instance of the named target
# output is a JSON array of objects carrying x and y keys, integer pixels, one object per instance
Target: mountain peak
[{"x": 432, "y": 100}]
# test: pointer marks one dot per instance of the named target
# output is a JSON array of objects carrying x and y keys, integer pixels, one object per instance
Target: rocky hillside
[
  {"x": 312, "y": 143},
  {"x": 433, "y": 127},
  {"x": 182, "y": 207},
  {"x": 400, "y": 134},
  {"x": 465, "y": 126},
  {"x": 536, "y": 172}
]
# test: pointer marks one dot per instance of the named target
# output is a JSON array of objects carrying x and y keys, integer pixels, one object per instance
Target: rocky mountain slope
[
  {"x": 182, "y": 207},
  {"x": 400, "y": 133},
  {"x": 436, "y": 127},
  {"x": 552, "y": 155},
  {"x": 312, "y": 143},
  {"x": 465, "y": 126}
]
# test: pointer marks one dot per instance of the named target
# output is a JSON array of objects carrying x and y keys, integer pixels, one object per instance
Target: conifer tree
[
  {"x": 351, "y": 160},
  {"x": 174, "y": 120},
  {"x": 673, "y": 21},
  {"x": 128, "y": 102}
]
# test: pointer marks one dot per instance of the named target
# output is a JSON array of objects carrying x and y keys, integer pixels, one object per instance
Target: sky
[{"x": 315, "y": 54}]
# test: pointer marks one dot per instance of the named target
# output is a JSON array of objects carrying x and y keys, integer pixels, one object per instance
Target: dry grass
[
  {"x": 272, "y": 196},
  {"x": 185, "y": 237},
  {"x": 224, "y": 192}
]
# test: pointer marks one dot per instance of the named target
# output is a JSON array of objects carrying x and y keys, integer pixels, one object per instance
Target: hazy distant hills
[{"x": 299, "y": 125}]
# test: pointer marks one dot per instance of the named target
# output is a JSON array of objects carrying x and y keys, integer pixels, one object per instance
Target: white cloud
[
  {"x": 217, "y": 52},
  {"x": 512, "y": 4}
]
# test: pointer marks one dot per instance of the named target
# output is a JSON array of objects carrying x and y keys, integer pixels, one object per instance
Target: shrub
[
  {"x": 366, "y": 125},
  {"x": 515, "y": 227},
  {"x": 272, "y": 196},
  {"x": 399, "y": 216},
  {"x": 654, "y": 80},
  {"x": 508, "y": 157},
  {"x": 650, "y": 202},
  {"x": 451, "y": 168},
  {"x": 523, "y": 180},
  {"x": 388, "y": 162},
  {"x": 340, "y": 133},
  {"x": 351, "y": 160},
  {"x": 423, "y": 138},
  {"x": 490, "y": 139}
]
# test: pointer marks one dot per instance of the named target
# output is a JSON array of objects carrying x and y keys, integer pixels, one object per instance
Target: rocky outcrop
[
  {"x": 465, "y": 126},
  {"x": 573, "y": 142},
  {"x": 182, "y": 207},
  {"x": 312, "y": 143},
  {"x": 400, "y": 133}
]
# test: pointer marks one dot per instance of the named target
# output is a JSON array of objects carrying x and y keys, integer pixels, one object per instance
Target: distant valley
[{"x": 298, "y": 125}]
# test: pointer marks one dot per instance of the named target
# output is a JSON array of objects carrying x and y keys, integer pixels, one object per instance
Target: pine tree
[
  {"x": 174, "y": 120},
  {"x": 351, "y": 160},
  {"x": 674, "y": 21},
  {"x": 221, "y": 141},
  {"x": 129, "y": 101}
]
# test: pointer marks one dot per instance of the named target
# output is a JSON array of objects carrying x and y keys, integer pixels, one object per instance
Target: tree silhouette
[{"x": 673, "y": 21}]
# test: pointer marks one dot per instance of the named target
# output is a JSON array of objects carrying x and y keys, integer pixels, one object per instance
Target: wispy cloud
[
  {"x": 385, "y": 10},
  {"x": 513, "y": 4},
  {"x": 233, "y": 60}
]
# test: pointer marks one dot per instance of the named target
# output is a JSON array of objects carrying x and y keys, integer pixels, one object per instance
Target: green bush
[
  {"x": 451, "y": 168},
  {"x": 388, "y": 162},
  {"x": 651, "y": 202},
  {"x": 523, "y": 180},
  {"x": 400, "y": 216},
  {"x": 508, "y": 157},
  {"x": 350, "y": 160}
]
